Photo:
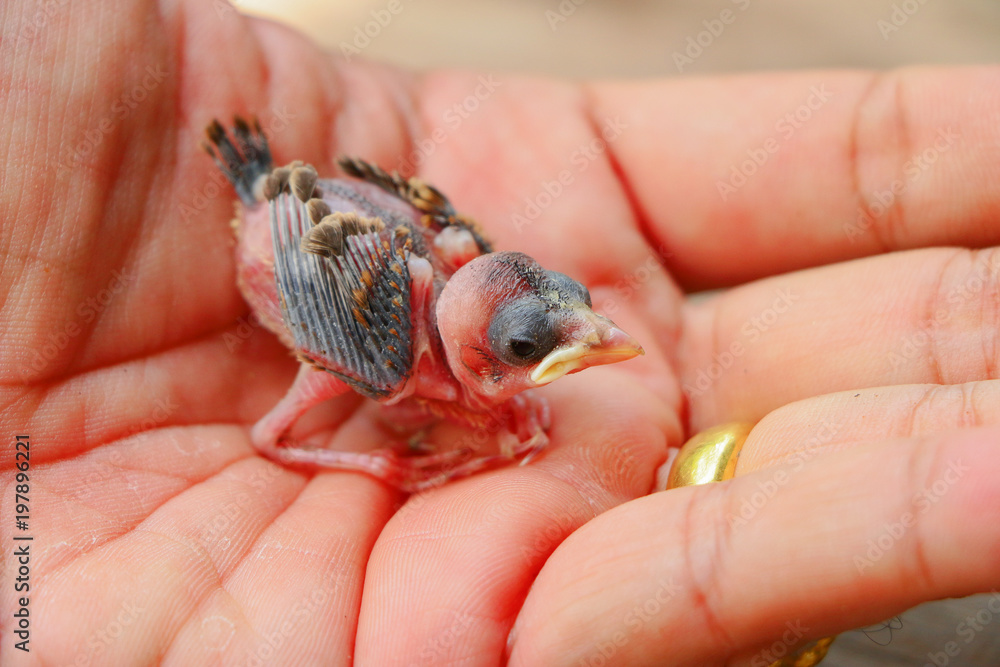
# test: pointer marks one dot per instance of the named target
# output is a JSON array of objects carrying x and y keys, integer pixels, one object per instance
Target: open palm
[{"x": 134, "y": 365}]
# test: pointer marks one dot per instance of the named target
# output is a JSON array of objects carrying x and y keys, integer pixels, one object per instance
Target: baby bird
[{"x": 381, "y": 288}]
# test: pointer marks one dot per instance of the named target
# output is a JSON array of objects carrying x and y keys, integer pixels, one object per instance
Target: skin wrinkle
[
  {"x": 639, "y": 221},
  {"x": 715, "y": 351},
  {"x": 177, "y": 108},
  {"x": 923, "y": 460},
  {"x": 593, "y": 504},
  {"x": 168, "y": 640},
  {"x": 108, "y": 539},
  {"x": 703, "y": 592},
  {"x": 860, "y": 148},
  {"x": 152, "y": 209},
  {"x": 897, "y": 217},
  {"x": 45, "y": 387},
  {"x": 111, "y": 515},
  {"x": 936, "y": 296},
  {"x": 668, "y": 338},
  {"x": 113, "y": 152},
  {"x": 925, "y": 403},
  {"x": 223, "y": 578},
  {"x": 971, "y": 416},
  {"x": 989, "y": 297}
]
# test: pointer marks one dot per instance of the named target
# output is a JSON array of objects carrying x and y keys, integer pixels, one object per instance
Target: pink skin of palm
[{"x": 454, "y": 295}]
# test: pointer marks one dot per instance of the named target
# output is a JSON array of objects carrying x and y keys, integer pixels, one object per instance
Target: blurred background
[
  {"x": 632, "y": 38},
  {"x": 644, "y": 38}
]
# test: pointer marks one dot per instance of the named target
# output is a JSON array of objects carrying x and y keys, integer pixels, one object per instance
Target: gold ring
[{"x": 711, "y": 456}]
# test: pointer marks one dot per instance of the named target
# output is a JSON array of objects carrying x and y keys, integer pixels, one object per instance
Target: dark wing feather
[
  {"x": 437, "y": 209},
  {"x": 349, "y": 314}
]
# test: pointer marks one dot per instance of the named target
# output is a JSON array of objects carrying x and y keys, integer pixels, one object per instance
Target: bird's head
[{"x": 508, "y": 325}]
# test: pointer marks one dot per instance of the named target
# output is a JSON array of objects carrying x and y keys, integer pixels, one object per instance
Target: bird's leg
[
  {"x": 530, "y": 419},
  {"x": 409, "y": 474},
  {"x": 527, "y": 421},
  {"x": 524, "y": 420},
  {"x": 312, "y": 387}
]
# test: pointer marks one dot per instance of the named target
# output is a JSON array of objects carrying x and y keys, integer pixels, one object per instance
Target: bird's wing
[
  {"x": 345, "y": 300},
  {"x": 438, "y": 213}
]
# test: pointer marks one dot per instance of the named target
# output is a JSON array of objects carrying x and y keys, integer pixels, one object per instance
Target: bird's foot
[
  {"x": 408, "y": 473},
  {"x": 530, "y": 419}
]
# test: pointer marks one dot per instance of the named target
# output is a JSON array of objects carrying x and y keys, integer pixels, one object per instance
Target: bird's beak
[{"x": 600, "y": 342}]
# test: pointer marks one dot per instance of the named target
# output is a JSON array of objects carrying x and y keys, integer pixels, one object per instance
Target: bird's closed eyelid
[{"x": 522, "y": 331}]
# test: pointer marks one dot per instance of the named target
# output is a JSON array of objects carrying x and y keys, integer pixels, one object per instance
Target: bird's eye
[
  {"x": 525, "y": 349},
  {"x": 522, "y": 332}
]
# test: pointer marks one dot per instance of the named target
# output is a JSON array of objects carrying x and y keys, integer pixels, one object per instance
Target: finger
[
  {"x": 249, "y": 373},
  {"x": 925, "y": 316},
  {"x": 293, "y": 596},
  {"x": 848, "y": 419},
  {"x": 754, "y": 175},
  {"x": 850, "y": 538},
  {"x": 139, "y": 538},
  {"x": 176, "y": 546},
  {"x": 449, "y": 572}
]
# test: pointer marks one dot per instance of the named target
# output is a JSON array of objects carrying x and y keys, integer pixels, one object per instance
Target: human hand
[
  {"x": 159, "y": 535},
  {"x": 869, "y": 485}
]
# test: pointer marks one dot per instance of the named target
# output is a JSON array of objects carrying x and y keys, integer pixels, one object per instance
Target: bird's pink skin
[{"x": 432, "y": 387}]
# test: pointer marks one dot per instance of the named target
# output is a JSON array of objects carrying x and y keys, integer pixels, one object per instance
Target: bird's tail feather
[{"x": 244, "y": 158}]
